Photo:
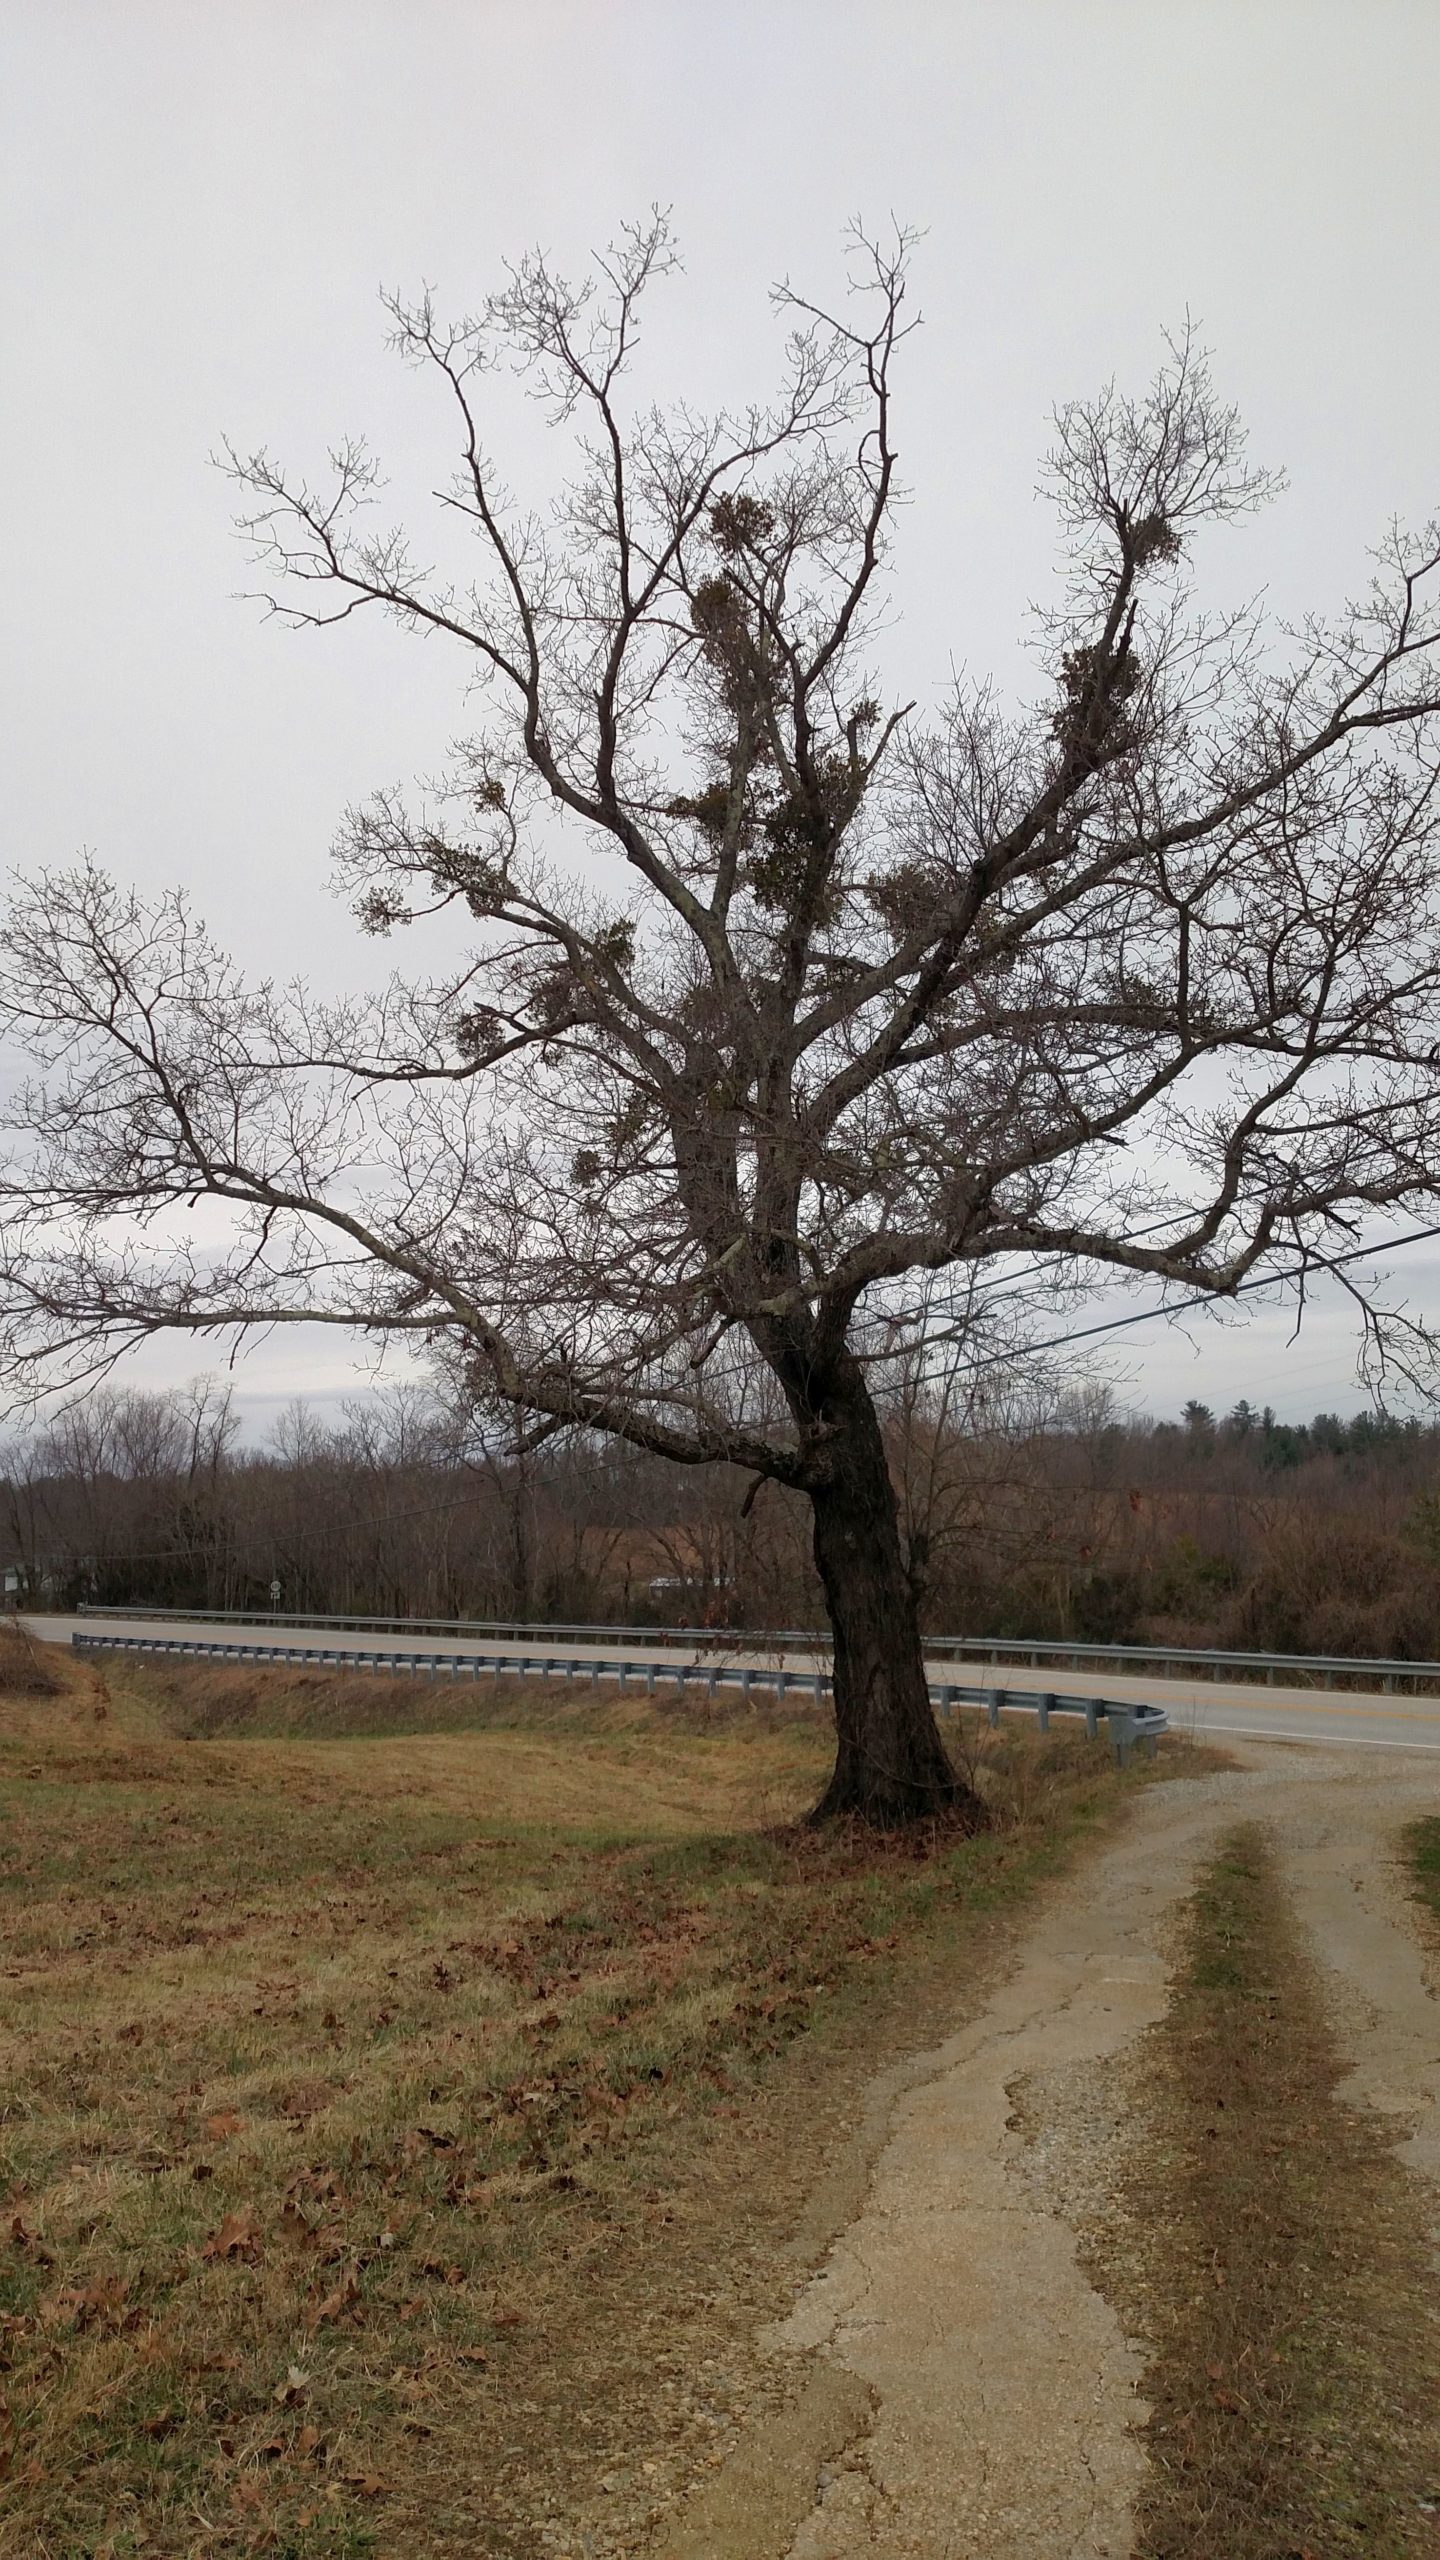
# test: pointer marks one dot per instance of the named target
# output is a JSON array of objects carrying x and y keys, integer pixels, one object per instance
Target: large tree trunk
[{"x": 891, "y": 1766}]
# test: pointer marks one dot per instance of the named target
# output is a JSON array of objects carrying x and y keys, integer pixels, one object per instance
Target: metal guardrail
[
  {"x": 1299, "y": 1668},
  {"x": 1127, "y": 1724}
]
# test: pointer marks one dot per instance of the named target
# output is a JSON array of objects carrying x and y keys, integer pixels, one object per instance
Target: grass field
[{"x": 402, "y": 2128}]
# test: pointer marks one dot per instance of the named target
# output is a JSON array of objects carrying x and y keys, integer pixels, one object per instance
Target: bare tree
[{"x": 770, "y": 1006}]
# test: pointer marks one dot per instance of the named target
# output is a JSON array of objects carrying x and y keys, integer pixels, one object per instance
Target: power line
[{"x": 1209, "y": 1297}]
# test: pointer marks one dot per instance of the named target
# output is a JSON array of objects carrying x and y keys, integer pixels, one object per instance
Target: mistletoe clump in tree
[{"x": 773, "y": 1016}]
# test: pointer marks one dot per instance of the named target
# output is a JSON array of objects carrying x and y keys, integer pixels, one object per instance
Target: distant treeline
[{"x": 1072, "y": 1519}]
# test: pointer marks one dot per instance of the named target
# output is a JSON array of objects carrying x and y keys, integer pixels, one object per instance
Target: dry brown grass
[
  {"x": 24, "y": 1673},
  {"x": 400, "y": 2133},
  {"x": 1284, "y": 2271}
]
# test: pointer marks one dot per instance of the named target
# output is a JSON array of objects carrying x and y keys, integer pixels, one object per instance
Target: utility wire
[{"x": 1209, "y": 1297}]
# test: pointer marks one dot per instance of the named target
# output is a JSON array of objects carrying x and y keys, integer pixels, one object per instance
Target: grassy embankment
[
  {"x": 401, "y": 2134},
  {"x": 1280, "y": 2262}
]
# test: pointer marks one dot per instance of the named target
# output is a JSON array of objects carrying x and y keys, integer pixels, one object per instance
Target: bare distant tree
[{"x": 768, "y": 1003}]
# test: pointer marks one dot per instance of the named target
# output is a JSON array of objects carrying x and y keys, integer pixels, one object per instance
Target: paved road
[{"x": 1351, "y": 1718}]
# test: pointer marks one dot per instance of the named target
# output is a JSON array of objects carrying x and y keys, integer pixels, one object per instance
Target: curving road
[{"x": 1351, "y": 1719}]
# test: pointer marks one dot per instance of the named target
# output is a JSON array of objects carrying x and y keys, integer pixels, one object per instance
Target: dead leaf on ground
[
  {"x": 306, "y": 2099},
  {"x": 223, "y": 2124},
  {"x": 297, "y": 2227},
  {"x": 103, "y": 2305},
  {"x": 443, "y": 2269},
  {"x": 238, "y": 2236},
  {"x": 337, "y": 2304}
]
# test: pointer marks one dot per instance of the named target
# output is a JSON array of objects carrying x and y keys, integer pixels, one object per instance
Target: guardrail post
[
  {"x": 947, "y": 1699},
  {"x": 782, "y": 1683},
  {"x": 1043, "y": 1705},
  {"x": 1121, "y": 1720},
  {"x": 747, "y": 1681},
  {"x": 650, "y": 1680},
  {"x": 992, "y": 1705},
  {"x": 1092, "y": 1720}
]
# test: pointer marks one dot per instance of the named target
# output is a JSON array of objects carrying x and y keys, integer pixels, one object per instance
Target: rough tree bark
[{"x": 891, "y": 1765}]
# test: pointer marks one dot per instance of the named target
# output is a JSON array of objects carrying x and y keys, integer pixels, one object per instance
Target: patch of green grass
[{"x": 1295, "y": 2383}]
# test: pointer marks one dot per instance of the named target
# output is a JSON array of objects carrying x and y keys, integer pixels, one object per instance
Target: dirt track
[{"x": 968, "y": 2392}]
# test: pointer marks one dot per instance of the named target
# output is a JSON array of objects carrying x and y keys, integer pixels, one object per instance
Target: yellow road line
[{"x": 1351, "y": 1706}]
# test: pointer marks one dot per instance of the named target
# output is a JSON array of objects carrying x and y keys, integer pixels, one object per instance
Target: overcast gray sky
[{"x": 203, "y": 200}]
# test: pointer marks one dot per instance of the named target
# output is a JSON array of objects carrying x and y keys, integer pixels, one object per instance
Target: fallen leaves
[
  {"x": 238, "y": 2236},
  {"x": 30, "y": 2241},
  {"x": 307, "y": 2098},
  {"x": 339, "y": 2304},
  {"x": 104, "y": 2306},
  {"x": 346, "y": 2227},
  {"x": 443, "y": 2269}
]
